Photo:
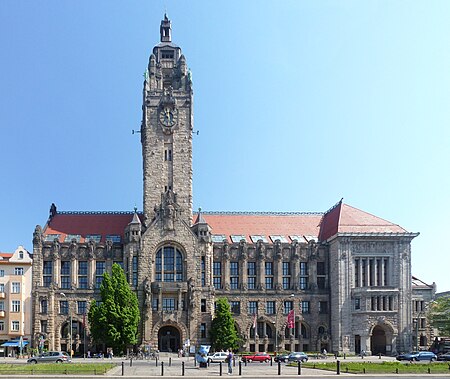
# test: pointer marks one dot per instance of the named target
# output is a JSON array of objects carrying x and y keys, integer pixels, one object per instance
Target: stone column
[
  {"x": 360, "y": 281},
  {"x": 375, "y": 269},
  {"x": 91, "y": 272},
  {"x": 367, "y": 284}
]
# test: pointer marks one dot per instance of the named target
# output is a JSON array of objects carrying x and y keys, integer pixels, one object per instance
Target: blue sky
[{"x": 298, "y": 103}]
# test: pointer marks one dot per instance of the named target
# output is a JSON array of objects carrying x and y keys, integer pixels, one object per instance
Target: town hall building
[{"x": 345, "y": 273}]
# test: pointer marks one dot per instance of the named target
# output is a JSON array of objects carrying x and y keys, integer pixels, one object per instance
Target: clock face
[{"x": 167, "y": 117}]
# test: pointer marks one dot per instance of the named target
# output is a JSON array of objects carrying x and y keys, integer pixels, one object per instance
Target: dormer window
[{"x": 167, "y": 54}]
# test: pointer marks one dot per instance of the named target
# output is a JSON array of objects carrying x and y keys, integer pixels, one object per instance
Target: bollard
[
  {"x": 429, "y": 370},
  {"x": 335, "y": 356},
  {"x": 234, "y": 361},
  {"x": 346, "y": 369},
  {"x": 123, "y": 368},
  {"x": 379, "y": 355},
  {"x": 364, "y": 370},
  {"x": 182, "y": 368},
  {"x": 299, "y": 370},
  {"x": 195, "y": 362},
  {"x": 162, "y": 368},
  {"x": 271, "y": 361},
  {"x": 131, "y": 362},
  {"x": 156, "y": 360},
  {"x": 170, "y": 361},
  {"x": 345, "y": 356},
  {"x": 245, "y": 363},
  {"x": 240, "y": 368},
  {"x": 396, "y": 370},
  {"x": 279, "y": 368},
  {"x": 220, "y": 368},
  {"x": 338, "y": 367}
]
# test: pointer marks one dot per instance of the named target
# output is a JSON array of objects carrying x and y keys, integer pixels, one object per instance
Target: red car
[{"x": 257, "y": 357}]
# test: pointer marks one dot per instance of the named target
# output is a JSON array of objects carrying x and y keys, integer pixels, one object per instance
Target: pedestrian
[
  {"x": 230, "y": 362},
  {"x": 89, "y": 354}
]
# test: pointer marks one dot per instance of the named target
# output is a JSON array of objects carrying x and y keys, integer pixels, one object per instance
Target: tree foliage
[
  {"x": 115, "y": 320},
  {"x": 439, "y": 315},
  {"x": 223, "y": 330}
]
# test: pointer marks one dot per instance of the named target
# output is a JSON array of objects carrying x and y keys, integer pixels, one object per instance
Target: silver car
[
  {"x": 50, "y": 357},
  {"x": 220, "y": 356}
]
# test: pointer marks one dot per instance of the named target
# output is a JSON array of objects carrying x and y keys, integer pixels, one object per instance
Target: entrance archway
[
  {"x": 378, "y": 340},
  {"x": 169, "y": 339}
]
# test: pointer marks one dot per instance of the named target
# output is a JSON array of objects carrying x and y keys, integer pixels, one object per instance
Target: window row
[
  {"x": 15, "y": 306},
  {"x": 17, "y": 271},
  {"x": 268, "y": 275},
  {"x": 15, "y": 326},
  {"x": 371, "y": 272},
  {"x": 15, "y": 287},
  {"x": 64, "y": 307}
]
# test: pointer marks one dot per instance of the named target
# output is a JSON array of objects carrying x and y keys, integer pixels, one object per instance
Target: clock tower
[{"x": 166, "y": 131}]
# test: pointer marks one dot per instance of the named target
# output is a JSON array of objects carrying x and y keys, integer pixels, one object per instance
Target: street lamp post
[
  {"x": 70, "y": 325},
  {"x": 276, "y": 323}
]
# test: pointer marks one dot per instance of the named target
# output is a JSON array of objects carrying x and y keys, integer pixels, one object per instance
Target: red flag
[
  {"x": 291, "y": 319},
  {"x": 254, "y": 322}
]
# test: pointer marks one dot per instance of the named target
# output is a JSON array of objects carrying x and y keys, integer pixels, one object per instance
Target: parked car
[
  {"x": 281, "y": 357},
  {"x": 298, "y": 356},
  {"x": 417, "y": 356},
  {"x": 444, "y": 357},
  {"x": 51, "y": 357},
  {"x": 257, "y": 357},
  {"x": 217, "y": 357}
]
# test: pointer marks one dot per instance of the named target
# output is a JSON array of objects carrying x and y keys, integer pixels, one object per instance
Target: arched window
[{"x": 169, "y": 265}]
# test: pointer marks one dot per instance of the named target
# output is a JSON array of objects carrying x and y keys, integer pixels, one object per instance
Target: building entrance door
[
  {"x": 378, "y": 341},
  {"x": 169, "y": 339}
]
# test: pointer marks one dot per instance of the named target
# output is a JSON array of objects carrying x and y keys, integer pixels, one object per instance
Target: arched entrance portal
[
  {"x": 378, "y": 340},
  {"x": 169, "y": 339}
]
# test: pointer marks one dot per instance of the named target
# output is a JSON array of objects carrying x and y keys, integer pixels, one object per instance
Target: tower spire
[{"x": 166, "y": 29}]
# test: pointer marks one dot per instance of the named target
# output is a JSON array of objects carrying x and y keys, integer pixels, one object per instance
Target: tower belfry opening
[{"x": 166, "y": 29}]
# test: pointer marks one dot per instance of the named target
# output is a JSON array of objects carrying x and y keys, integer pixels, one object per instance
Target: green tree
[
  {"x": 115, "y": 320},
  {"x": 223, "y": 330},
  {"x": 439, "y": 315}
]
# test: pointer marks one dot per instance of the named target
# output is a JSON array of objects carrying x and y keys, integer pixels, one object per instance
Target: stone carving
[
  {"x": 243, "y": 249},
  {"x": 226, "y": 250},
  {"x": 91, "y": 249},
  {"x": 147, "y": 292},
  {"x": 278, "y": 250},
  {"x": 56, "y": 248},
  {"x": 261, "y": 250}
]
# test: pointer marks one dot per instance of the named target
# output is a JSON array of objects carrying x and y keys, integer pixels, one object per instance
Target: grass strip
[
  {"x": 56, "y": 368},
  {"x": 383, "y": 367}
]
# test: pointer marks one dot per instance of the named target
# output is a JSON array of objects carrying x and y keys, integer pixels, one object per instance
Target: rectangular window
[
  {"x": 47, "y": 273},
  {"x": 286, "y": 282},
  {"x": 155, "y": 304},
  {"x": 82, "y": 274},
  {"x": 323, "y": 307},
  {"x": 63, "y": 307},
  {"x": 202, "y": 330},
  {"x": 168, "y": 304},
  {"x": 2, "y": 305},
  {"x": 2, "y": 273},
  {"x": 252, "y": 307},
  {"x": 356, "y": 272},
  {"x": 269, "y": 268},
  {"x": 269, "y": 282},
  {"x": 217, "y": 275},
  {"x": 18, "y": 270},
  {"x": 321, "y": 282},
  {"x": 304, "y": 268},
  {"x": 286, "y": 268},
  {"x": 2, "y": 325},
  {"x": 251, "y": 282},
  {"x": 251, "y": 268},
  {"x": 135, "y": 271},
  {"x": 99, "y": 270},
  {"x": 15, "y": 326},
  {"x": 357, "y": 303},
  {"x": 203, "y": 305},
  {"x": 235, "y": 307},
  {"x": 303, "y": 282},
  {"x": 288, "y": 306},
  {"x": 65, "y": 274},
  {"x": 44, "y": 326},
  {"x": 15, "y": 306},
  {"x": 81, "y": 307},
  {"x": 203, "y": 271},
  {"x": 320, "y": 268},
  {"x": 2, "y": 287},
  {"x": 44, "y": 306},
  {"x": 15, "y": 287},
  {"x": 305, "y": 307},
  {"x": 234, "y": 275},
  {"x": 270, "y": 307}
]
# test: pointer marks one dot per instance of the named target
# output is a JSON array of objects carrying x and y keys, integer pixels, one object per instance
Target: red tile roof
[
  {"x": 84, "y": 223},
  {"x": 285, "y": 224},
  {"x": 343, "y": 218}
]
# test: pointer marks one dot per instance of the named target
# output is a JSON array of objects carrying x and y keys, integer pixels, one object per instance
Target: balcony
[
  {"x": 2, "y": 295},
  {"x": 2, "y": 313}
]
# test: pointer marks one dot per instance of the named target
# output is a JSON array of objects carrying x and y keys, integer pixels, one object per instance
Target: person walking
[{"x": 230, "y": 362}]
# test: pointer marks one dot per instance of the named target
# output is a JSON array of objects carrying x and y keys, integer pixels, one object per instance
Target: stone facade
[{"x": 348, "y": 284}]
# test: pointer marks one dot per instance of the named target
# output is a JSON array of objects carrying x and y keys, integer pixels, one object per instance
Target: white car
[{"x": 217, "y": 357}]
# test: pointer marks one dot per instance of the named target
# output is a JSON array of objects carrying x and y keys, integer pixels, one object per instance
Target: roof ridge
[
  {"x": 260, "y": 213},
  {"x": 98, "y": 213}
]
